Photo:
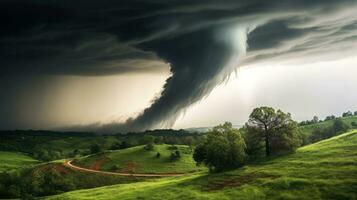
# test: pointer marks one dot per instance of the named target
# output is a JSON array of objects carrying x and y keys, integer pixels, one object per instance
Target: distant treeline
[
  {"x": 316, "y": 119},
  {"x": 52, "y": 145}
]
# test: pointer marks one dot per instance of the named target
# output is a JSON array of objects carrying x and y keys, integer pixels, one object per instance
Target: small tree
[
  {"x": 315, "y": 119},
  {"x": 158, "y": 155},
  {"x": 224, "y": 148},
  {"x": 354, "y": 124},
  {"x": 275, "y": 128},
  {"x": 355, "y": 113}
]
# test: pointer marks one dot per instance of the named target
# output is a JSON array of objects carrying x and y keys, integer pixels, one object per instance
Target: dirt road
[{"x": 70, "y": 165}]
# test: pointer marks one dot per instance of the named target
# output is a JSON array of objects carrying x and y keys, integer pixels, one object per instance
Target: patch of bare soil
[
  {"x": 97, "y": 165},
  {"x": 236, "y": 181},
  {"x": 129, "y": 167}
]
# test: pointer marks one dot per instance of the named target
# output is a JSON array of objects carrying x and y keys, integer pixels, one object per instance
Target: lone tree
[
  {"x": 275, "y": 129},
  {"x": 224, "y": 148}
]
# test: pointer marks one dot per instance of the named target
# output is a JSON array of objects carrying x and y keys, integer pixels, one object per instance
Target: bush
[
  {"x": 158, "y": 155},
  {"x": 149, "y": 147},
  {"x": 223, "y": 149},
  {"x": 114, "y": 168},
  {"x": 172, "y": 147},
  {"x": 175, "y": 155},
  {"x": 354, "y": 124}
]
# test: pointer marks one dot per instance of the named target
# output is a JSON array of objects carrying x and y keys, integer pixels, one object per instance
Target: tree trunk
[{"x": 267, "y": 145}]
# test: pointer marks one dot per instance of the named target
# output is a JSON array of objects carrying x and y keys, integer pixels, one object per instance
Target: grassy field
[
  {"x": 308, "y": 129},
  {"x": 138, "y": 160},
  {"x": 15, "y": 160},
  {"x": 324, "y": 170}
]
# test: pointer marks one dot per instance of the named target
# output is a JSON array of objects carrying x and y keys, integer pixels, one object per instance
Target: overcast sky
[{"x": 111, "y": 66}]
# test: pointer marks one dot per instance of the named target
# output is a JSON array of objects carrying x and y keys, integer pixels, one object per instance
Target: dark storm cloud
[{"x": 201, "y": 40}]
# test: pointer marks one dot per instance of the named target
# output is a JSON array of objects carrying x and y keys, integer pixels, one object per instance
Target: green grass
[
  {"x": 324, "y": 170},
  {"x": 308, "y": 129},
  {"x": 138, "y": 160},
  {"x": 15, "y": 160}
]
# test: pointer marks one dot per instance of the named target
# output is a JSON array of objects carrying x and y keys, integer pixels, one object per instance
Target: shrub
[
  {"x": 149, "y": 147},
  {"x": 114, "y": 168},
  {"x": 158, "y": 155},
  {"x": 175, "y": 155},
  {"x": 354, "y": 124},
  {"x": 223, "y": 149}
]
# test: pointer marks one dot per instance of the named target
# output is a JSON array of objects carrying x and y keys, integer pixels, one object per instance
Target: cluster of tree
[
  {"x": 224, "y": 148},
  {"x": 47, "y": 155},
  {"x": 268, "y": 131},
  {"x": 21, "y": 185},
  {"x": 349, "y": 114},
  {"x": 315, "y": 119},
  {"x": 51, "y": 179},
  {"x": 51, "y": 145},
  {"x": 175, "y": 155},
  {"x": 338, "y": 127}
]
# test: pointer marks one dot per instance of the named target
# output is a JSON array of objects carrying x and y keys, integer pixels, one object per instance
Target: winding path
[{"x": 70, "y": 165}]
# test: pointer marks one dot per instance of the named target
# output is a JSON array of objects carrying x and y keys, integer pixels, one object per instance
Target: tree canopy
[
  {"x": 273, "y": 128},
  {"x": 224, "y": 148}
]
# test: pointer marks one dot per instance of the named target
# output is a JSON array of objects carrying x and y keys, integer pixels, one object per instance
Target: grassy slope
[
  {"x": 325, "y": 170},
  {"x": 308, "y": 129},
  {"x": 14, "y": 160},
  {"x": 138, "y": 160}
]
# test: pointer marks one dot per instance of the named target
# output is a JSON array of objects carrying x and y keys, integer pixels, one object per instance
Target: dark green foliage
[
  {"x": 331, "y": 117},
  {"x": 314, "y": 120},
  {"x": 159, "y": 140},
  {"x": 158, "y": 155},
  {"x": 51, "y": 179},
  {"x": 223, "y": 149},
  {"x": 95, "y": 148},
  {"x": 355, "y": 113},
  {"x": 114, "y": 168},
  {"x": 275, "y": 129},
  {"x": 149, "y": 147},
  {"x": 172, "y": 147},
  {"x": 175, "y": 155},
  {"x": 115, "y": 146},
  {"x": 125, "y": 145},
  {"x": 354, "y": 124},
  {"x": 347, "y": 114},
  {"x": 147, "y": 139},
  {"x": 338, "y": 127}
]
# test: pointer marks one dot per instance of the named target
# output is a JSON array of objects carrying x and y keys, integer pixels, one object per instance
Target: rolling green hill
[
  {"x": 324, "y": 170},
  {"x": 308, "y": 129},
  {"x": 15, "y": 160},
  {"x": 139, "y": 160}
]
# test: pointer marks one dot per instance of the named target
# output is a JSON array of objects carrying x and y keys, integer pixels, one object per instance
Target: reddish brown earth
[
  {"x": 74, "y": 167},
  {"x": 129, "y": 167},
  {"x": 236, "y": 181},
  {"x": 97, "y": 165}
]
